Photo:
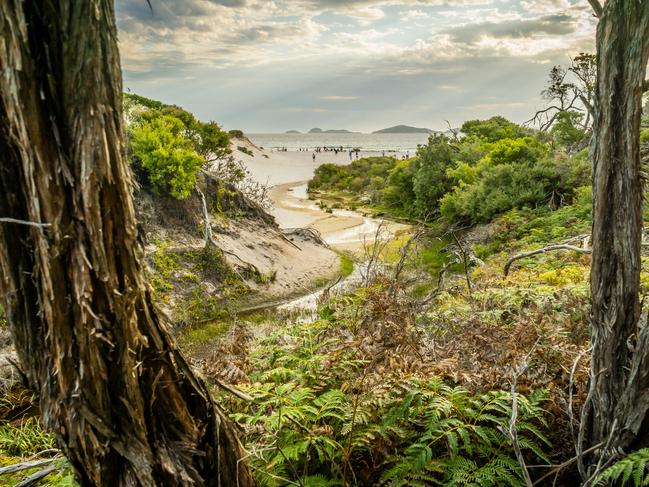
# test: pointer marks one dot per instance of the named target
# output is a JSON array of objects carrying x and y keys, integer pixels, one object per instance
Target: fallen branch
[
  {"x": 245, "y": 263},
  {"x": 233, "y": 390},
  {"x": 17, "y": 467},
  {"x": 289, "y": 241},
  {"x": 549, "y": 248},
  {"x": 34, "y": 478}
]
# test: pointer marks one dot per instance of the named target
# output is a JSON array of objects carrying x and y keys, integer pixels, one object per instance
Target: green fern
[
  {"x": 630, "y": 468},
  {"x": 311, "y": 423}
]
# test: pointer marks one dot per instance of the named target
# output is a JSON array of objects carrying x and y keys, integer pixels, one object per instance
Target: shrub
[{"x": 166, "y": 155}]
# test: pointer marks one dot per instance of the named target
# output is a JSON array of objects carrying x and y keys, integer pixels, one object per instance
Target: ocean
[{"x": 400, "y": 143}]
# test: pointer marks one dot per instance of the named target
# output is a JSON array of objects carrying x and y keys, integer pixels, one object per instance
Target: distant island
[
  {"x": 404, "y": 129},
  {"x": 331, "y": 131},
  {"x": 292, "y": 132}
]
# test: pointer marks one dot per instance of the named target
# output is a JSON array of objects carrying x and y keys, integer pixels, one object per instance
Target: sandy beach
[
  {"x": 342, "y": 230},
  {"x": 288, "y": 174}
]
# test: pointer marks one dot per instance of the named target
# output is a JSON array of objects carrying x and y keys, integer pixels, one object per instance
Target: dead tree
[
  {"x": 568, "y": 90},
  {"x": 124, "y": 405},
  {"x": 615, "y": 413}
]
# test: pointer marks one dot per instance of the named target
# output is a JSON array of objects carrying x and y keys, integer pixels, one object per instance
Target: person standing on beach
[{"x": 313, "y": 157}]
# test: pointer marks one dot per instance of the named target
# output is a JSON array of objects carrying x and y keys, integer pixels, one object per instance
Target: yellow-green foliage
[
  {"x": 166, "y": 265},
  {"x": 566, "y": 275},
  {"x": 205, "y": 333},
  {"x": 167, "y": 156},
  {"x": 26, "y": 438},
  {"x": 346, "y": 265}
]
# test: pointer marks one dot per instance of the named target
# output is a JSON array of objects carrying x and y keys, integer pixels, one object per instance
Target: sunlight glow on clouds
[{"x": 275, "y": 65}]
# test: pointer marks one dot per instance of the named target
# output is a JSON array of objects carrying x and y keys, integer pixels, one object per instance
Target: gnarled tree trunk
[
  {"x": 124, "y": 405},
  {"x": 619, "y": 389}
]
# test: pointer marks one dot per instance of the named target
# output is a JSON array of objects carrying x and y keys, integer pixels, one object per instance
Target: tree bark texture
[
  {"x": 124, "y": 405},
  {"x": 619, "y": 388}
]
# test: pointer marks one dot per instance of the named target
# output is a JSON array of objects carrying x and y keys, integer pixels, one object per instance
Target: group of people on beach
[
  {"x": 354, "y": 154},
  {"x": 335, "y": 149}
]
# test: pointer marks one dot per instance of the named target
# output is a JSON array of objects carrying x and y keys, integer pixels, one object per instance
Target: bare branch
[
  {"x": 549, "y": 248},
  {"x": 35, "y": 477},
  {"x": 17, "y": 467},
  {"x": 233, "y": 390},
  {"x": 587, "y": 104},
  {"x": 512, "y": 432},
  {"x": 597, "y": 7},
  {"x": 24, "y": 222},
  {"x": 557, "y": 468}
]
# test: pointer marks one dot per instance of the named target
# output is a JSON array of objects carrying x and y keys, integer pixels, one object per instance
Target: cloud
[
  {"x": 549, "y": 25},
  {"x": 238, "y": 59}
]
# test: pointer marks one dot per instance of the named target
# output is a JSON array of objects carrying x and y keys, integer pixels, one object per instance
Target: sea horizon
[{"x": 388, "y": 143}]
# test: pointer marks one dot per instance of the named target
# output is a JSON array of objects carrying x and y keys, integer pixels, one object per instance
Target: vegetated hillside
[
  {"x": 211, "y": 244},
  {"x": 404, "y": 129},
  {"x": 251, "y": 261}
]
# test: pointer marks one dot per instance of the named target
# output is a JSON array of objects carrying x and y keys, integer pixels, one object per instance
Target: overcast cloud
[{"x": 271, "y": 66}]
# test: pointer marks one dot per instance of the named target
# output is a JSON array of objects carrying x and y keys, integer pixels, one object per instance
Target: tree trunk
[
  {"x": 124, "y": 405},
  {"x": 619, "y": 387}
]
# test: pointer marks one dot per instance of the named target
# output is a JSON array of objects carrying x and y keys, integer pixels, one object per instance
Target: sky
[{"x": 270, "y": 66}]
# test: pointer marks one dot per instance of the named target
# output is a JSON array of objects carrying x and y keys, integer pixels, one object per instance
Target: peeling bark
[
  {"x": 618, "y": 402},
  {"x": 124, "y": 405}
]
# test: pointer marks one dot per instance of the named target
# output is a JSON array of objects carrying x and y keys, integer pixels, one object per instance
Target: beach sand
[
  {"x": 274, "y": 168},
  {"x": 288, "y": 173}
]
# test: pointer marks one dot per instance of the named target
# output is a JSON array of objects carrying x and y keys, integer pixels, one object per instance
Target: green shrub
[{"x": 166, "y": 155}]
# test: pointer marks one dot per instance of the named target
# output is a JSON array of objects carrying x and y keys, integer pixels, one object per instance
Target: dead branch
[
  {"x": 543, "y": 250},
  {"x": 512, "y": 433},
  {"x": 25, "y": 222},
  {"x": 557, "y": 468},
  {"x": 233, "y": 390},
  {"x": 307, "y": 233},
  {"x": 245, "y": 263},
  {"x": 373, "y": 252},
  {"x": 405, "y": 250},
  {"x": 35, "y": 477},
  {"x": 289, "y": 241},
  {"x": 17, "y": 467},
  {"x": 206, "y": 220}
]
